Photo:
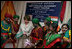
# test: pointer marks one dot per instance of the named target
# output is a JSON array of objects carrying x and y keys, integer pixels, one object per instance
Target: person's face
[
  {"x": 46, "y": 27},
  {"x": 35, "y": 25},
  {"x": 51, "y": 28},
  {"x": 16, "y": 19},
  {"x": 30, "y": 17},
  {"x": 45, "y": 22},
  {"x": 64, "y": 28},
  {"x": 7, "y": 19},
  {"x": 26, "y": 21}
]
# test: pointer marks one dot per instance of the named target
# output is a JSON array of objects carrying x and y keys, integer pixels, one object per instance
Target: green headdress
[
  {"x": 36, "y": 21},
  {"x": 16, "y": 16},
  {"x": 48, "y": 19}
]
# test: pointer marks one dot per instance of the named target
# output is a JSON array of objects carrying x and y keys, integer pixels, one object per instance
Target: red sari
[{"x": 36, "y": 34}]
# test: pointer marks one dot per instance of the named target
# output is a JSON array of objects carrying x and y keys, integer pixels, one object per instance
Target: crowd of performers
[{"x": 32, "y": 35}]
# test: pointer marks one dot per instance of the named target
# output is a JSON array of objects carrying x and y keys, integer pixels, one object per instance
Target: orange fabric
[
  {"x": 44, "y": 28},
  {"x": 8, "y": 7},
  {"x": 58, "y": 28},
  {"x": 36, "y": 31}
]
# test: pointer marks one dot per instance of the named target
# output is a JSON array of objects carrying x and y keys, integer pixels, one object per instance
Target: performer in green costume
[
  {"x": 67, "y": 38},
  {"x": 52, "y": 39},
  {"x": 63, "y": 30},
  {"x": 6, "y": 29},
  {"x": 45, "y": 28}
]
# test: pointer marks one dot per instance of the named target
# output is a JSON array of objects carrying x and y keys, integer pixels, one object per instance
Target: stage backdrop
[{"x": 41, "y": 10}]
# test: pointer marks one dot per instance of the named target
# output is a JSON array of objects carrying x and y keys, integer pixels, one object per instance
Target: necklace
[{"x": 4, "y": 28}]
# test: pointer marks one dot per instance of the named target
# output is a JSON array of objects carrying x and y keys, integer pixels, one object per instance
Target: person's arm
[
  {"x": 15, "y": 27},
  {"x": 29, "y": 30},
  {"x": 13, "y": 30},
  {"x": 67, "y": 40},
  {"x": 31, "y": 35},
  {"x": 19, "y": 33},
  {"x": 66, "y": 37}
]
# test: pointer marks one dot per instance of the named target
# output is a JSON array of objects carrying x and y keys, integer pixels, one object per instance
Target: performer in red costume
[
  {"x": 37, "y": 33},
  {"x": 15, "y": 26},
  {"x": 6, "y": 30}
]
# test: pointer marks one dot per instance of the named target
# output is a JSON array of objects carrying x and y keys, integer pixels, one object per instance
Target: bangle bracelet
[{"x": 9, "y": 33}]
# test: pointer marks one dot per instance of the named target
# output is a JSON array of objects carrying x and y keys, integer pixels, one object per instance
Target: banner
[
  {"x": 41, "y": 10},
  {"x": 63, "y": 11}
]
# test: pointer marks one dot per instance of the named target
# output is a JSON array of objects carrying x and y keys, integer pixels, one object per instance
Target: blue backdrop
[{"x": 41, "y": 10}]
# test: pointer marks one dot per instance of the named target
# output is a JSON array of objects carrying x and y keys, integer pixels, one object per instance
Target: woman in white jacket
[{"x": 24, "y": 32}]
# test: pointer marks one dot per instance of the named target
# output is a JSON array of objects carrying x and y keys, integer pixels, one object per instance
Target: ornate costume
[
  {"x": 68, "y": 36},
  {"x": 37, "y": 32},
  {"x": 48, "y": 19},
  {"x": 5, "y": 30},
  {"x": 15, "y": 27},
  {"x": 51, "y": 40}
]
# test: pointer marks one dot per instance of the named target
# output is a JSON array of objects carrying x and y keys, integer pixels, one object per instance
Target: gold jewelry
[{"x": 4, "y": 28}]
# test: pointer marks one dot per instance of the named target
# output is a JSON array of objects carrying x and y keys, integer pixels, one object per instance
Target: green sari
[{"x": 51, "y": 40}]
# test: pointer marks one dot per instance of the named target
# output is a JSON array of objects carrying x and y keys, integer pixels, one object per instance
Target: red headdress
[{"x": 8, "y": 16}]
